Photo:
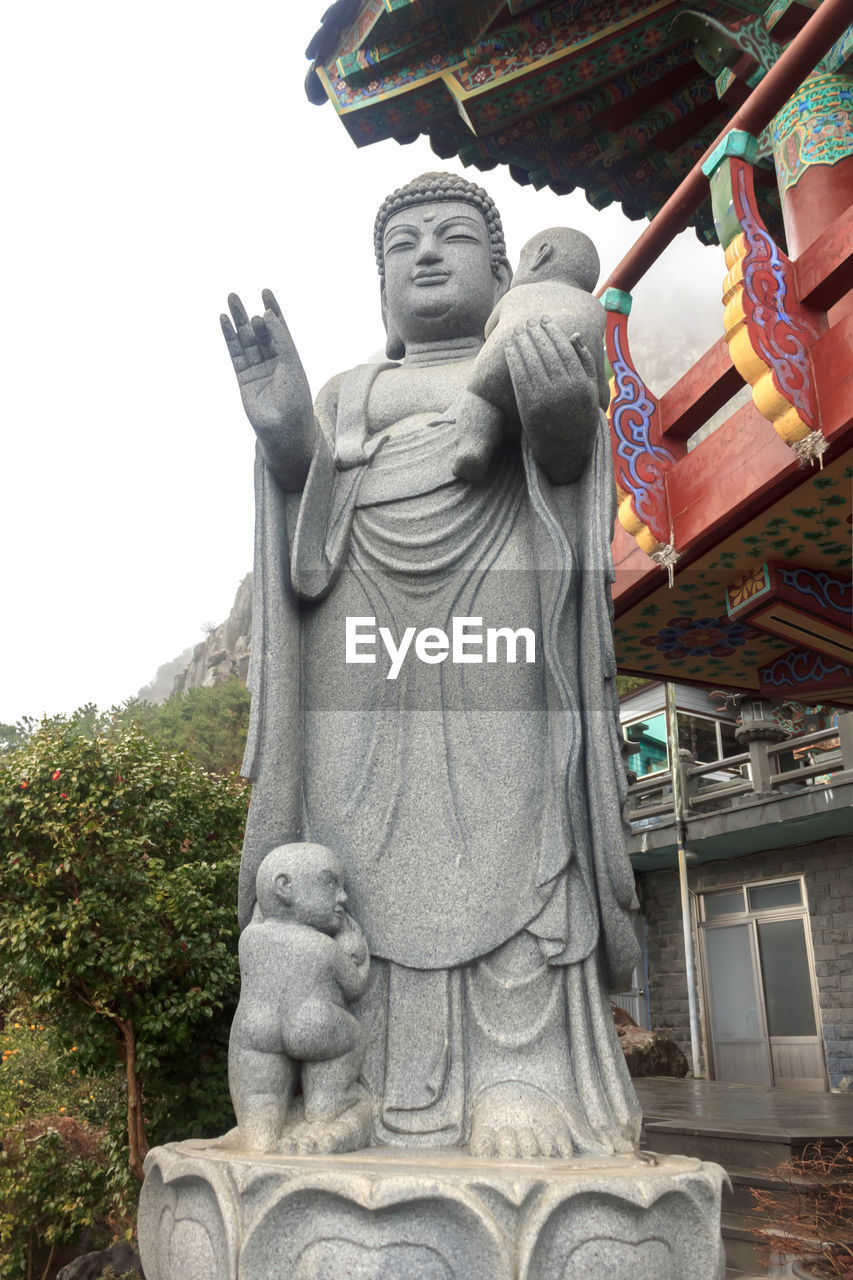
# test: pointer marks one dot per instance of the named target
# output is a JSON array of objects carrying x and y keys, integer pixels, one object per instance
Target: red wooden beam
[
  {"x": 833, "y": 373},
  {"x": 824, "y": 270},
  {"x": 806, "y": 49},
  {"x": 727, "y": 479},
  {"x": 732, "y": 476},
  {"x": 696, "y": 397},
  {"x": 738, "y": 471}
]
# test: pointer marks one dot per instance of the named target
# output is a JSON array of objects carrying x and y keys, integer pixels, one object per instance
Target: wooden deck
[
  {"x": 745, "y": 1111},
  {"x": 748, "y": 1130}
]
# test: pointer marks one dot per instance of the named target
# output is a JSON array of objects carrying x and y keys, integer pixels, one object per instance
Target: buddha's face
[{"x": 438, "y": 274}]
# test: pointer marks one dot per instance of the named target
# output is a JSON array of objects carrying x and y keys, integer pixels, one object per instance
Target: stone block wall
[{"x": 827, "y": 868}]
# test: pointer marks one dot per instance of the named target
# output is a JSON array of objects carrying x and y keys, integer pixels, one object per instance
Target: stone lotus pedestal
[{"x": 207, "y": 1213}]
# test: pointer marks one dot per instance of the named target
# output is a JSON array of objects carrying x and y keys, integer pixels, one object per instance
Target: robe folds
[{"x": 471, "y": 803}]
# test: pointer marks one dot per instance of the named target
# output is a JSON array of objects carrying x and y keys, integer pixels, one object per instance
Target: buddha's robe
[{"x": 470, "y": 803}]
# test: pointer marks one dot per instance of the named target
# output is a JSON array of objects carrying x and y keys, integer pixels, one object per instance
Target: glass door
[
  {"x": 759, "y": 986},
  {"x": 795, "y": 1047},
  {"x": 737, "y": 1024}
]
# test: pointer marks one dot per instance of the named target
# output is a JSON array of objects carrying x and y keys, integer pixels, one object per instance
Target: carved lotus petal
[
  {"x": 332, "y": 1258},
  {"x": 644, "y": 1232},
  {"x": 182, "y": 1230},
  {"x": 315, "y": 1234}
]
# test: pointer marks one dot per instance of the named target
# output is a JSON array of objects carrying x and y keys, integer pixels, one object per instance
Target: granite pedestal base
[{"x": 207, "y": 1213}]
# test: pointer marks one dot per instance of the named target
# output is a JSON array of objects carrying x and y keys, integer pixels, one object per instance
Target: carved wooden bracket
[
  {"x": 768, "y": 331},
  {"x": 640, "y": 458}
]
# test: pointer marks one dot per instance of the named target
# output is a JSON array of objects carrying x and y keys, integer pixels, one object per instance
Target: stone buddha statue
[{"x": 473, "y": 795}]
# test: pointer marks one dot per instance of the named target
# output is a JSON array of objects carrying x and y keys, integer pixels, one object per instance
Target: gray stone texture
[
  {"x": 303, "y": 961},
  {"x": 118, "y": 1260},
  {"x": 208, "y": 1214},
  {"x": 827, "y": 869},
  {"x": 557, "y": 272},
  {"x": 475, "y": 806}
]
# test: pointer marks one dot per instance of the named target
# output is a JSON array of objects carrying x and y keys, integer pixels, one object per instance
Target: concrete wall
[{"x": 828, "y": 871}]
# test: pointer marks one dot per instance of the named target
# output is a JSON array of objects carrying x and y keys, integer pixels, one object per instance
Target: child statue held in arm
[{"x": 475, "y": 805}]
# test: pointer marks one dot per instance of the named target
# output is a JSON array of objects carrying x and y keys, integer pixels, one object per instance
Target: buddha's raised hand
[{"x": 273, "y": 386}]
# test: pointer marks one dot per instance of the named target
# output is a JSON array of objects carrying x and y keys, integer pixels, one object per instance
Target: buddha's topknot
[{"x": 441, "y": 186}]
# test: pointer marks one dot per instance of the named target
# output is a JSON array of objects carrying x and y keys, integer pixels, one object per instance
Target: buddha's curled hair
[{"x": 441, "y": 186}]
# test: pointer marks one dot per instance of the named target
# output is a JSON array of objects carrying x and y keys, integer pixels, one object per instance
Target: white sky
[{"x": 157, "y": 157}]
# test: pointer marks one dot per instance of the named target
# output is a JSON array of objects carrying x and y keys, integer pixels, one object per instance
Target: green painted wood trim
[
  {"x": 723, "y": 207},
  {"x": 617, "y": 300},
  {"x": 736, "y": 143}
]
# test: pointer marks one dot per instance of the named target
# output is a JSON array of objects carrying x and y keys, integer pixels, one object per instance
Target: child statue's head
[
  {"x": 305, "y": 883},
  {"x": 560, "y": 253}
]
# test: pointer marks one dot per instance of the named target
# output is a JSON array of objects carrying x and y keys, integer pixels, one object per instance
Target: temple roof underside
[{"x": 620, "y": 99}]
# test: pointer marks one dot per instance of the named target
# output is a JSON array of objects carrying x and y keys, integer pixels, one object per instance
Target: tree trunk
[{"x": 136, "y": 1136}]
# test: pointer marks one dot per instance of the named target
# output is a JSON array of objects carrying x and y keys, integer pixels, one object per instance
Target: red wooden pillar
[{"x": 813, "y": 150}]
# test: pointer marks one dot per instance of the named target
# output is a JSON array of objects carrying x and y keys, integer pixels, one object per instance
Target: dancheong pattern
[{"x": 815, "y": 127}]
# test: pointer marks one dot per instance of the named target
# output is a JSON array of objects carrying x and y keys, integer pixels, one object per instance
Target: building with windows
[{"x": 769, "y": 841}]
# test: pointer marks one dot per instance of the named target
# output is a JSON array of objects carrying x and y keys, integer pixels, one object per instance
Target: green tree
[
  {"x": 118, "y": 868},
  {"x": 210, "y": 724},
  {"x": 12, "y": 736},
  {"x": 61, "y": 1174},
  {"x": 627, "y": 684}
]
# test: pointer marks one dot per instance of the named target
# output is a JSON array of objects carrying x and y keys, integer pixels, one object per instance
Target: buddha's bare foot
[
  {"x": 347, "y": 1131},
  {"x": 515, "y": 1121}
]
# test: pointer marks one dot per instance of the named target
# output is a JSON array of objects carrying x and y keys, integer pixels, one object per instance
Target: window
[
  {"x": 729, "y": 902},
  {"x": 650, "y": 736},
  {"x": 704, "y": 737},
  {"x": 698, "y": 736},
  {"x": 771, "y": 896},
  {"x": 785, "y": 893}
]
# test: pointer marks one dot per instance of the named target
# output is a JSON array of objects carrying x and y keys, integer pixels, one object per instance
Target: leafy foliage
[
  {"x": 61, "y": 1176},
  {"x": 627, "y": 684},
  {"x": 118, "y": 867},
  {"x": 210, "y": 724},
  {"x": 13, "y": 736},
  {"x": 87, "y": 721}
]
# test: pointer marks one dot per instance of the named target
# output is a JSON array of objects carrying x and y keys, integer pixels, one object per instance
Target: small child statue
[
  {"x": 557, "y": 272},
  {"x": 302, "y": 960}
]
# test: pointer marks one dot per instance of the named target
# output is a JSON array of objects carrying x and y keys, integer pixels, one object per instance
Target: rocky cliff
[
  {"x": 225, "y": 652},
  {"x": 160, "y": 688}
]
